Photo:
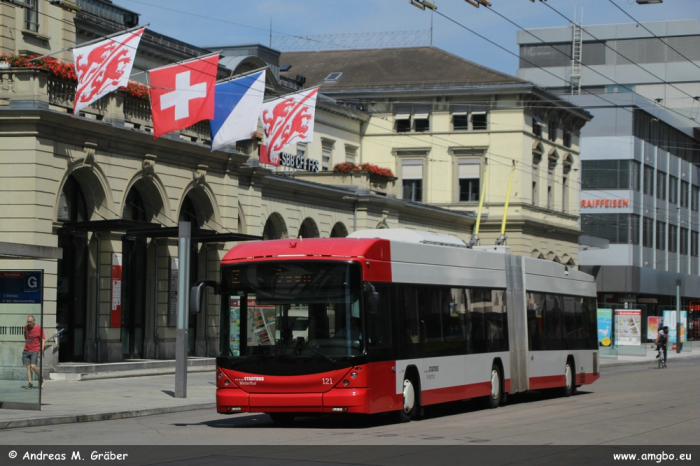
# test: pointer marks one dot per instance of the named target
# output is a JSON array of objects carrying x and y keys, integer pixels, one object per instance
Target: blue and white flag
[{"x": 237, "y": 109}]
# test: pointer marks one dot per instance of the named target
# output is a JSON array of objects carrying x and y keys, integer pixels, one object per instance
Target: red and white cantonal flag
[
  {"x": 183, "y": 94},
  {"x": 287, "y": 120},
  {"x": 104, "y": 67}
]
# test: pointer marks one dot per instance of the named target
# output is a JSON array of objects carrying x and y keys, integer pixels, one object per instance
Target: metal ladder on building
[{"x": 576, "y": 51}]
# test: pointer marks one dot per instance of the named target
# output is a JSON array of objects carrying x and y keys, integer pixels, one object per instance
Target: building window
[
  {"x": 326, "y": 153},
  {"x": 648, "y": 232},
  {"x": 610, "y": 174},
  {"x": 616, "y": 228},
  {"x": 479, "y": 120},
  {"x": 31, "y": 16},
  {"x": 301, "y": 150},
  {"x": 460, "y": 118},
  {"x": 421, "y": 120},
  {"x": 416, "y": 118},
  {"x": 648, "y": 180},
  {"x": 685, "y": 187},
  {"x": 660, "y": 185},
  {"x": 412, "y": 179},
  {"x": 694, "y": 243},
  {"x": 469, "y": 117},
  {"x": 567, "y": 138},
  {"x": 537, "y": 126},
  {"x": 536, "y": 159},
  {"x": 551, "y": 167},
  {"x": 568, "y": 163},
  {"x": 469, "y": 173},
  {"x": 672, "y": 189},
  {"x": 684, "y": 241},
  {"x": 694, "y": 195},
  {"x": 660, "y": 235},
  {"x": 552, "y": 130},
  {"x": 672, "y": 238},
  {"x": 350, "y": 153}
]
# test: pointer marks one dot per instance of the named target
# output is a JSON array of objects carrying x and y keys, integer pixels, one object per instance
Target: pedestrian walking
[{"x": 34, "y": 341}]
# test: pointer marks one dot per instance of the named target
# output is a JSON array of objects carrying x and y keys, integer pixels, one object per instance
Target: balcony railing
[{"x": 20, "y": 85}]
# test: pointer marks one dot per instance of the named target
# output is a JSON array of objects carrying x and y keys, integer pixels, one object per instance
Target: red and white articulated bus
[{"x": 395, "y": 320}]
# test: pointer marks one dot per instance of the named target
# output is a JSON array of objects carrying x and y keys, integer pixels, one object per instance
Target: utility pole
[{"x": 183, "y": 300}]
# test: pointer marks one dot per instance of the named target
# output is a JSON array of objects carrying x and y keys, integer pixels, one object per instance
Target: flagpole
[
  {"x": 241, "y": 75},
  {"x": 292, "y": 93},
  {"x": 84, "y": 44}
]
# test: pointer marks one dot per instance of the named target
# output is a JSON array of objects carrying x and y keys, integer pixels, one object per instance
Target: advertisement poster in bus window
[
  {"x": 671, "y": 320},
  {"x": 653, "y": 323},
  {"x": 235, "y": 326},
  {"x": 605, "y": 327},
  {"x": 628, "y": 327},
  {"x": 261, "y": 324}
]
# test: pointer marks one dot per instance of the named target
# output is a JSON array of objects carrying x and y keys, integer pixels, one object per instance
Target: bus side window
[{"x": 378, "y": 325}]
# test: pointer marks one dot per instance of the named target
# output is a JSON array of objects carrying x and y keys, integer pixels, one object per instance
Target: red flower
[{"x": 348, "y": 167}]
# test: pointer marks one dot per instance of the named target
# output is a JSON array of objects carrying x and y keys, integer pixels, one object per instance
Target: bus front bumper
[{"x": 337, "y": 400}]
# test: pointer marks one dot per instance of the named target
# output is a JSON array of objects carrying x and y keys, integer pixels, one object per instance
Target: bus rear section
[{"x": 371, "y": 325}]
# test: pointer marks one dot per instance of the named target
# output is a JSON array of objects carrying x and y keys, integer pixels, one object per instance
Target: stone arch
[
  {"x": 152, "y": 192},
  {"x": 198, "y": 205},
  {"x": 308, "y": 229},
  {"x": 339, "y": 230},
  {"x": 536, "y": 254},
  {"x": 95, "y": 188},
  {"x": 275, "y": 227},
  {"x": 568, "y": 260},
  {"x": 551, "y": 256}
]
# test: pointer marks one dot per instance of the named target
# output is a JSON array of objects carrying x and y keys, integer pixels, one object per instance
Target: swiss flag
[{"x": 183, "y": 94}]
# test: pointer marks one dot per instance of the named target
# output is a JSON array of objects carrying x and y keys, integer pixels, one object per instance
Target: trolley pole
[
  {"x": 183, "y": 299},
  {"x": 678, "y": 316}
]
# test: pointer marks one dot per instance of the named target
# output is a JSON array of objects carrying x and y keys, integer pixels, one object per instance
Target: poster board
[
  {"x": 605, "y": 327},
  {"x": 21, "y": 295},
  {"x": 671, "y": 320},
  {"x": 628, "y": 327}
]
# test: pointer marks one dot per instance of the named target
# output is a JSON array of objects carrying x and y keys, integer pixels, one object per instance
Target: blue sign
[{"x": 20, "y": 287}]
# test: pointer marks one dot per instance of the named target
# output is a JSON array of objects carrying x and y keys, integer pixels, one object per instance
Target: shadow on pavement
[{"x": 360, "y": 421}]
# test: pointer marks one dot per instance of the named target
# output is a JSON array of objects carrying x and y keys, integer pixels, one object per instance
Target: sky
[{"x": 235, "y": 22}]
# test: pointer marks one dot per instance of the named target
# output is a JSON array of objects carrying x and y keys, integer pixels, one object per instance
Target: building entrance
[
  {"x": 134, "y": 279},
  {"x": 71, "y": 296}
]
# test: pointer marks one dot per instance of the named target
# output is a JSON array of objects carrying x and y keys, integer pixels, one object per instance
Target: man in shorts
[{"x": 34, "y": 341}]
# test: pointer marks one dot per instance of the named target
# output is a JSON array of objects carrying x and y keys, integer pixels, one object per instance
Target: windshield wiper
[{"x": 320, "y": 354}]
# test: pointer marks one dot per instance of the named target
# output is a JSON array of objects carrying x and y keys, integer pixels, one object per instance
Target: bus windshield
[{"x": 292, "y": 308}]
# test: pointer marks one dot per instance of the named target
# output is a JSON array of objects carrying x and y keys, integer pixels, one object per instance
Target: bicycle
[{"x": 660, "y": 356}]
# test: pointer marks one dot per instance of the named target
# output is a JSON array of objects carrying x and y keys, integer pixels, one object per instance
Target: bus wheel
[
  {"x": 494, "y": 399},
  {"x": 410, "y": 407},
  {"x": 282, "y": 419},
  {"x": 568, "y": 380}
]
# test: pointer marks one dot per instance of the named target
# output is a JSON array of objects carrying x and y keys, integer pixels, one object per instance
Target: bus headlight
[{"x": 353, "y": 374}]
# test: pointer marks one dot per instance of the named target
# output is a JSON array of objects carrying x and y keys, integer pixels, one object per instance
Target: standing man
[{"x": 34, "y": 341}]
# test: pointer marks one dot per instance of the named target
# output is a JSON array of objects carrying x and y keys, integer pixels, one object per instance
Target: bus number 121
[{"x": 327, "y": 381}]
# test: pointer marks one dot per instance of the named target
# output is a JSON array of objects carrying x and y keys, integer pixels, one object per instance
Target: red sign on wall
[
  {"x": 115, "y": 318},
  {"x": 605, "y": 202}
]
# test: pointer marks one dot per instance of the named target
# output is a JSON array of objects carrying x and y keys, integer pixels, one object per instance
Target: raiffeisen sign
[{"x": 590, "y": 203}]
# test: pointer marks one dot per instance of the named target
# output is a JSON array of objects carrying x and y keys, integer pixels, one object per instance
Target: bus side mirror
[
  {"x": 371, "y": 298},
  {"x": 197, "y": 293}
]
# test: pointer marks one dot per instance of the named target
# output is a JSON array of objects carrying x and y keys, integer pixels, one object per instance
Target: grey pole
[
  {"x": 183, "y": 299},
  {"x": 678, "y": 316}
]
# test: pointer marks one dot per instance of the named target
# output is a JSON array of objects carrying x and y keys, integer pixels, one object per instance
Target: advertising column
[
  {"x": 628, "y": 327},
  {"x": 21, "y": 332}
]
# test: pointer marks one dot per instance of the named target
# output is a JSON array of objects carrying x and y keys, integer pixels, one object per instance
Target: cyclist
[{"x": 661, "y": 341}]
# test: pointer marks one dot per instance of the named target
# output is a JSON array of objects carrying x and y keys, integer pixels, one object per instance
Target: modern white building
[{"x": 640, "y": 155}]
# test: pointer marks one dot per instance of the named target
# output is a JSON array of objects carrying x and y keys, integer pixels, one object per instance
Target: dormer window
[{"x": 333, "y": 77}]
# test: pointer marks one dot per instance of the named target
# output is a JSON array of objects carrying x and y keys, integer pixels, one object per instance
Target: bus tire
[
  {"x": 410, "y": 400},
  {"x": 569, "y": 379},
  {"x": 282, "y": 419},
  {"x": 494, "y": 398}
]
